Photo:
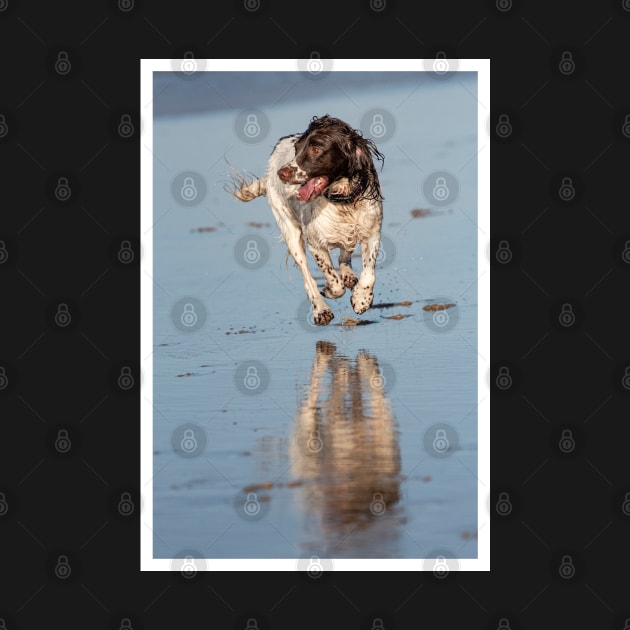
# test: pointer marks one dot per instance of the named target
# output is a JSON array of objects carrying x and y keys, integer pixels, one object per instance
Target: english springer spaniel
[{"x": 323, "y": 189}]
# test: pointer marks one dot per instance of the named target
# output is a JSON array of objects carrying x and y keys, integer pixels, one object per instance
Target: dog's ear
[{"x": 362, "y": 153}]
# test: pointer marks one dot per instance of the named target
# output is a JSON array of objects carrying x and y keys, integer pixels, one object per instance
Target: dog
[{"x": 324, "y": 191}]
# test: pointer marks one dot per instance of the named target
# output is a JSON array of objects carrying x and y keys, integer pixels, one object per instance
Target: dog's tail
[{"x": 245, "y": 188}]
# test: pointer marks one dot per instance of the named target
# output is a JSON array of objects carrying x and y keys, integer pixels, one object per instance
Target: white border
[{"x": 148, "y": 66}]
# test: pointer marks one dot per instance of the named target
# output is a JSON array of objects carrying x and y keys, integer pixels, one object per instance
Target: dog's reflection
[{"x": 345, "y": 447}]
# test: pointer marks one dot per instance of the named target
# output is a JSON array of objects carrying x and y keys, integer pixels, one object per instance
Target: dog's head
[{"x": 331, "y": 151}]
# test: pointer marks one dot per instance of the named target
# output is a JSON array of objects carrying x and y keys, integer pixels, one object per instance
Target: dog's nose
[{"x": 286, "y": 173}]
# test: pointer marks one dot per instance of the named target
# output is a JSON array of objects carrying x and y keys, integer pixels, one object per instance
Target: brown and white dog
[{"x": 323, "y": 189}]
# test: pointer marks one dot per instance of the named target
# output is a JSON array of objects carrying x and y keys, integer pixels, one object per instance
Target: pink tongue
[{"x": 312, "y": 188}]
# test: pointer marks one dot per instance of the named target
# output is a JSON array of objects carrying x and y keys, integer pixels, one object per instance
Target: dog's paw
[
  {"x": 333, "y": 293},
  {"x": 323, "y": 318},
  {"x": 361, "y": 300},
  {"x": 349, "y": 279}
]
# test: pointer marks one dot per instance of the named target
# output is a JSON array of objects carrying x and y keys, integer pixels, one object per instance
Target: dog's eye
[{"x": 314, "y": 150}]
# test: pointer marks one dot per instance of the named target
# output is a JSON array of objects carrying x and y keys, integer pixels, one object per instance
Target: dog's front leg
[
  {"x": 362, "y": 294},
  {"x": 334, "y": 287},
  {"x": 322, "y": 314}
]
